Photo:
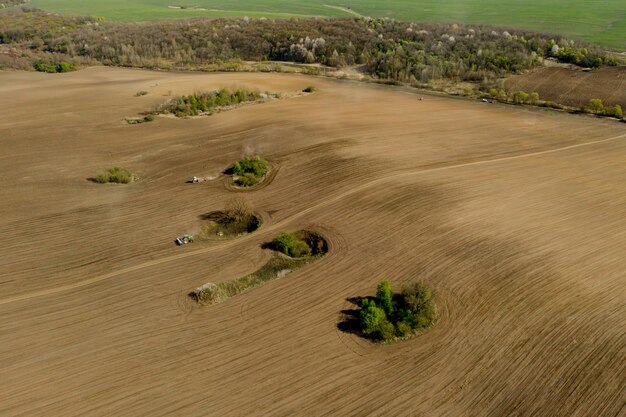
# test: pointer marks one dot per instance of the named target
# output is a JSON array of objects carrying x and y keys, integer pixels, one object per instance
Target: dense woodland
[{"x": 386, "y": 49}]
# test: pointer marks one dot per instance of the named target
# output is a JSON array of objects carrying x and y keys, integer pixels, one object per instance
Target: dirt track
[{"x": 515, "y": 217}]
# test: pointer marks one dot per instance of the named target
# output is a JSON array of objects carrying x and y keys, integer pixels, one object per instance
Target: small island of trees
[
  {"x": 249, "y": 171},
  {"x": 209, "y": 102},
  {"x": 391, "y": 316}
]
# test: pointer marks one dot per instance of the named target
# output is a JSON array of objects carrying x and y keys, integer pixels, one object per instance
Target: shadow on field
[{"x": 350, "y": 317}]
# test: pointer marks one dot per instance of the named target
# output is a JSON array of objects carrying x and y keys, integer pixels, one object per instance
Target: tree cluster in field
[
  {"x": 387, "y": 49},
  {"x": 114, "y": 175},
  {"x": 206, "y": 102},
  {"x": 390, "y": 315},
  {"x": 249, "y": 170}
]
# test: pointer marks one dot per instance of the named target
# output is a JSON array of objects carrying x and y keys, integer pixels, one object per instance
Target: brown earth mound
[{"x": 574, "y": 87}]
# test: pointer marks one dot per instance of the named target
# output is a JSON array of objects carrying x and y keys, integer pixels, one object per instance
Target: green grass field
[{"x": 599, "y": 21}]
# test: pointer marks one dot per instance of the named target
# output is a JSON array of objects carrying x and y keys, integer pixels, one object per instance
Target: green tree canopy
[
  {"x": 370, "y": 315},
  {"x": 384, "y": 297}
]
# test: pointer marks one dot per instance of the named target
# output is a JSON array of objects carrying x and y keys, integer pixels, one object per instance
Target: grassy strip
[{"x": 277, "y": 267}]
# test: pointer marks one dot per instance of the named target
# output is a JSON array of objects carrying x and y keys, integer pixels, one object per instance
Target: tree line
[{"x": 387, "y": 49}]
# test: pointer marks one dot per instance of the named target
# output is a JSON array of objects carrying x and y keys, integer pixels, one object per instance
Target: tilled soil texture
[
  {"x": 574, "y": 87},
  {"x": 515, "y": 217}
]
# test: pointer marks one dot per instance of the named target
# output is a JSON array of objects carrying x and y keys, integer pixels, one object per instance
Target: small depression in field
[{"x": 223, "y": 225}]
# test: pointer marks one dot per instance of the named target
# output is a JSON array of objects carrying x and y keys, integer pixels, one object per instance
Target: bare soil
[
  {"x": 515, "y": 217},
  {"x": 574, "y": 87}
]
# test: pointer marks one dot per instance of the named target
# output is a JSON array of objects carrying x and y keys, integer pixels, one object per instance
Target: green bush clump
[
  {"x": 249, "y": 170},
  {"x": 54, "y": 68},
  {"x": 65, "y": 67},
  {"x": 520, "y": 97},
  {"x": 206, "y": 102},
  {"x": 596, "y": 106},
  {"x": 309, "y": 89},
  {"x": 255, "y": 165},
  {"x": 247, "y": 180},
  {"x": 290, "y": 244},
  {"x": 389, "y": 316},
  {"x": 115, "y": 175}
]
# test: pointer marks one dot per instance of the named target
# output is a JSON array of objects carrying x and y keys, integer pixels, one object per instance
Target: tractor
[{"x": 183, "y": 240}]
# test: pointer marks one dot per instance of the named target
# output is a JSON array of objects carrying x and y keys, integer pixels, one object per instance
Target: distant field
[
  {"x": 599, "y": 21},
  {"x": 574, "y": 88}
]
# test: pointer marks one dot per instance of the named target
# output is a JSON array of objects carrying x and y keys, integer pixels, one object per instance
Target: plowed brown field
[
  {"x": 515, "y": 217},
  {"x": 574, "y": 88}
]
